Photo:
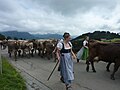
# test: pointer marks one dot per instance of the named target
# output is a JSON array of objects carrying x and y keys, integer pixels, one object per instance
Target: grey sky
[{"x": 58, "y": 16}]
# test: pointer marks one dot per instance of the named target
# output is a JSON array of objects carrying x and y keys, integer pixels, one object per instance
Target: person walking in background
[
  {"x": 55, "y": 50},
  {"x": 65, "y": 55},
  {"x": 83, "y": 52},
  {"x": 55, "y": 53}
]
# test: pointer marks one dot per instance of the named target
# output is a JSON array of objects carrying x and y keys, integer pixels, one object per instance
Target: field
[{"x": 113, "y": 40}]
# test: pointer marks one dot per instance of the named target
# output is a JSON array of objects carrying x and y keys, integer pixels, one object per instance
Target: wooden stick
[{"x": 53, "y": 70}]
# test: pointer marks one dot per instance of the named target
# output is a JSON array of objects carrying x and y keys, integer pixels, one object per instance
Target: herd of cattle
[
  {"x": 107, "y": 52},
  {"x": 28, "y": 48}
]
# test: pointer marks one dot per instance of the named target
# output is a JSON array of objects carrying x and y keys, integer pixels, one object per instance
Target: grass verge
[{"x": 10, "y": 78}]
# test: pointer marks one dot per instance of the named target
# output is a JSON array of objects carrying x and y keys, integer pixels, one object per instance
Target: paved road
[{"x": 36, "y": 71}]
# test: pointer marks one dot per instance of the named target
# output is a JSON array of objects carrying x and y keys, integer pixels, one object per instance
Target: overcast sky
[{"x": 59, "y": 16}]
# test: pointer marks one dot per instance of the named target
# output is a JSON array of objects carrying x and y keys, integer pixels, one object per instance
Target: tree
[
  {"x": 21, "y": 38},
  {"x": 2, "y": 37},
  {"x": 15, "y": 38},
  {"x": 8, "y": 38}
]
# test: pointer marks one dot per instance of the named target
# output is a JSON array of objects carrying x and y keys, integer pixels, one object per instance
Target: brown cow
[
  {"x": 3, "y": 44},
  {"x": 26, "y": 47},
  {"x": 38, "y": 45},
  {"x": 107, "y": 52},
  {"x": 13, "y": 47},
  {"x": 48, "y": 47}
]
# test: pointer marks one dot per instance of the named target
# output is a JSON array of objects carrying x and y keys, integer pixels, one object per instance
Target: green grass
[
  {"x": 112, "y": 40},
  {"x": 10, "y": 78},
  {"x": 115, "y": 40}
]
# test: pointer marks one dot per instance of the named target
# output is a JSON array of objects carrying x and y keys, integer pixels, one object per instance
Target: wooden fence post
[{"x": 0, "y": 61}]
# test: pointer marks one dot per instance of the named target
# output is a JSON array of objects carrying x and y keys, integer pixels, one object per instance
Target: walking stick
[{"x": 53, "y": 70}]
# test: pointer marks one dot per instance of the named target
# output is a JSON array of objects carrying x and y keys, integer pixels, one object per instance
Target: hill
[
  {"x": 98, "y": 35},
  {"x": 16, "y": 34},
  {"x": 26, "y": 35},
  {"x": 47, "y": 36}
]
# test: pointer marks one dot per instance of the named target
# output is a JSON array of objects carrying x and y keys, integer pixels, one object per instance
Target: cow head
[
  {"x": 4, "y": 44},
  {"x": 93, "y": 48}
]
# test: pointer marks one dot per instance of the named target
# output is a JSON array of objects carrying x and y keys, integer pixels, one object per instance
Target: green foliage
[
  {"x": 11, "y": 79},
  {"x": 2, "y": 37},
  {"x": 21, "y": 38},
  {"x": 115, "y": 40},
  {"x": 15, "y": 38},
  {"x": 9, "y": 38}
]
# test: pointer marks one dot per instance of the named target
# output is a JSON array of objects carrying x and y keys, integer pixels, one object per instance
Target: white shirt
[
  {"x": 85, "y": 42},
  {"x": 61, "y": 40},
  {"x": 60, "y": 45}
]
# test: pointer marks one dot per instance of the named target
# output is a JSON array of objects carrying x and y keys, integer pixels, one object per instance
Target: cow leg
[
  {"x": 19, "y": 52},
  {"x": 28, "y": 54},
  {"x": 39, "y": 52},
  {"x": 23, "y": 53},
  {"x": 10, "y": 54},
  {"x": 54, "y": 56},
  {"x": 32, "y": 52},
  {"x": 107, "y": 67},
  {"x": 15, "y": 55},
  {"x": 48, "y": 55},
  {"x": 42, "y": 54},
  {"x": 87, "y": 68},
  {"x": 93, "y": 68},
  {"x": 3, "y": 47},
  {"x": 35, "y": 51},
  {"x": 116, "y": 66},
  {"x": 88, "y": 61}
]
